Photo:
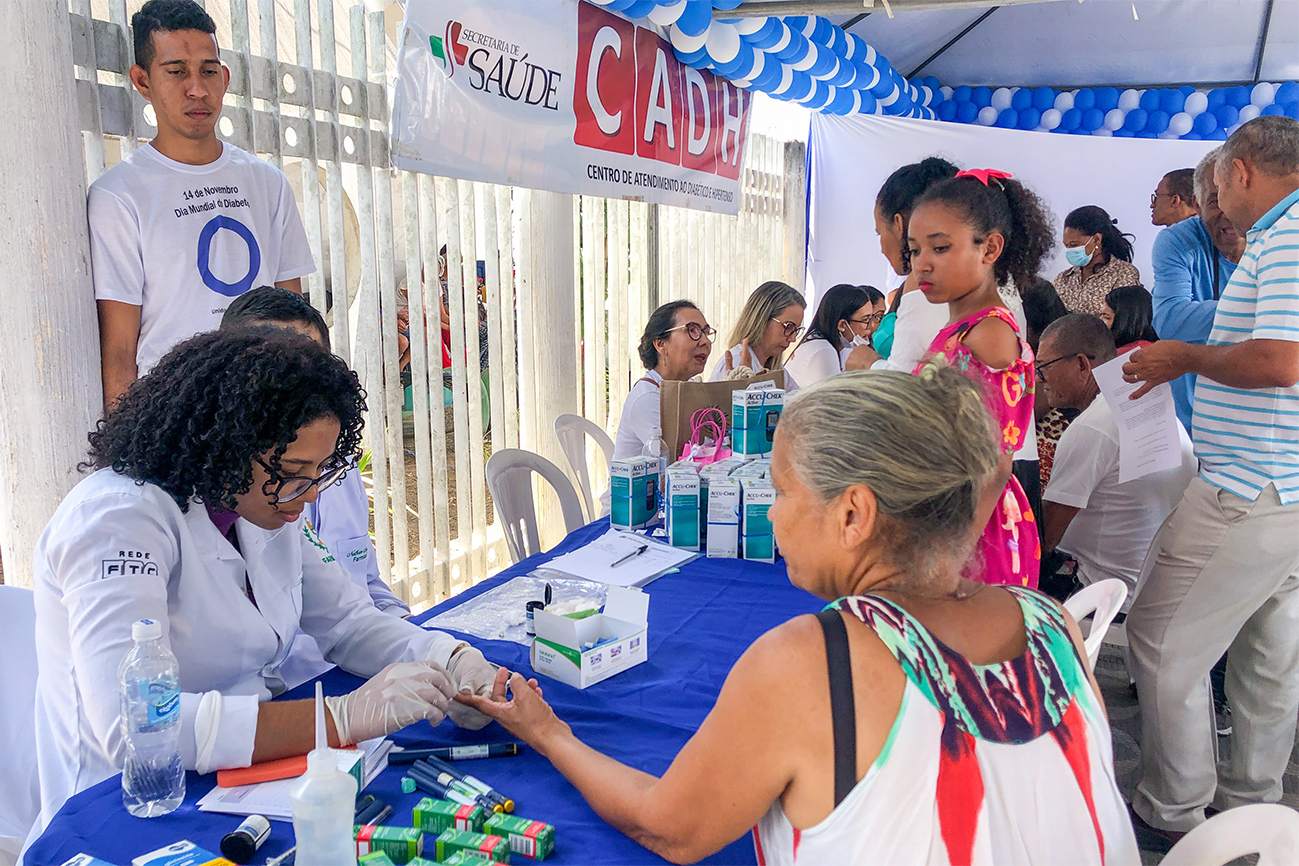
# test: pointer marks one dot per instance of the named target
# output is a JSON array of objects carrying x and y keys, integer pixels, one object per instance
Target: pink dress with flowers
[{"x": 1009, "y": 550}]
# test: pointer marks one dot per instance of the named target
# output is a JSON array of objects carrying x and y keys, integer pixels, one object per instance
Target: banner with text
[{"x": 563, "y": 96}]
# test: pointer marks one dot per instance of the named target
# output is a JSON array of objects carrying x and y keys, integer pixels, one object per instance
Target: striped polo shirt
[{"x": 1247, "y": 439}]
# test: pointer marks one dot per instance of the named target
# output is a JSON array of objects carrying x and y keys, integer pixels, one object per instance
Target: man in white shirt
[
  {"x": 185, "y": 223},
  {"x": 1107, "y": 526}
]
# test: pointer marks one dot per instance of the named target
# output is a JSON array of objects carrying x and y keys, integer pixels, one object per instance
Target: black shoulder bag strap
[{"x": 843, "y": 712}]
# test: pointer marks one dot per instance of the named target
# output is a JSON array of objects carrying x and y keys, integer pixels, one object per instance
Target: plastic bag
[{"x": 498, "y": 614}]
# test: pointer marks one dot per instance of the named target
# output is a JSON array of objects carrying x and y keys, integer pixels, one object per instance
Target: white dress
[{"x": 1000, "y": 764}]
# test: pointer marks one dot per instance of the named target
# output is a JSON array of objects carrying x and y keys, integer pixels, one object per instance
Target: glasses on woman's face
[
  {"x": 695, "y": 331},
  {"x": 872, "y": 319},
  {"x": 287, "y": 489},
  {"x": 792, "y": 329}
]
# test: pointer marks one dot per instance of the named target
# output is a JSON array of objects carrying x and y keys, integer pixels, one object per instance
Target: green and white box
[
  {"x": 723, "y": 518},
  {"x": 614, "y": 640},
  {"x": 754, "y": 414},
  {"x": 759, "y": 540},
  {"x": 683, "y": 509},
  {"x": 633, "y": 486}
]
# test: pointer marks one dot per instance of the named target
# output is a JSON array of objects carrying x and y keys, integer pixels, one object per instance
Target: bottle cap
[
  {"x": 146, "y": 629},
  {"x": 238, "y": 847}
]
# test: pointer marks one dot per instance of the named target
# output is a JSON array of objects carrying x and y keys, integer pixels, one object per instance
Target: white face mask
[{"x": 856, "y": 339}]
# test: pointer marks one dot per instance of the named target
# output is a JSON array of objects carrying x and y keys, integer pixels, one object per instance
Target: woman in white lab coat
[{"x": 193, "y": 519}]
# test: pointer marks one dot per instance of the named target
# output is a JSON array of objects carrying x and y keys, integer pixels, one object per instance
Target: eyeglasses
[
  {"x": 1155, "y": 196},
  {"x": 291, "y": 488},
  {"x": 695, "y": 331},
  {"x": 872, "y": 319},
  {"x": 1039, "y": 368},
  {"x": 792, "y": 329}
]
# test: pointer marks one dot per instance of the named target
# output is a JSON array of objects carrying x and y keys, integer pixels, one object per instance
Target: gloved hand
[
  {"x": 399, "y": 695},
  {"x": 472, "y": 673}
]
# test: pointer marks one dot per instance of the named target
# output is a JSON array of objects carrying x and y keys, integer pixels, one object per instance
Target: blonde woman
[{"x": 771, "y": 321}]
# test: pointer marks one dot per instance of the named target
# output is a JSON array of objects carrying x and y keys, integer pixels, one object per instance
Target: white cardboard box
[{"x": 557, "y": 651}]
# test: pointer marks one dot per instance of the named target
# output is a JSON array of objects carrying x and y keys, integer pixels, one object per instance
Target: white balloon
[
  {"x": 1064, "y": 100},
  {"x": 1114, "y": 119},
  {"x": 1001, "y": 98},
  {"x": 786, "y": 81},
  {"x": 1197, "y": 103},
  {"x": 1249, "y": 112},
  {"x": 684, "y": 43},
  {"x": 1168, "y": 134},
  {"x": 1262, "y": 95},
  {"x": 668, "y": 13},
  {"x": 946, "y": 91},
  {"x": 1130, "y": 99},
  {"x": 1103, "y": 132},
  {"x": 914, "y": 93},
  {"x": 746, "y": 26},
  {"x": 723, "y": 41},
  {"x": 809, "y": 59},
  {"x": 1050, "y": 118},
  {"x": 988, "y": 115},
  {"x": 1180, "y": 123}
]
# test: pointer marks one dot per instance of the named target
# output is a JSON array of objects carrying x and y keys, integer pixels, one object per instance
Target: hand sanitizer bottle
[{"x": 323, "y": 803}]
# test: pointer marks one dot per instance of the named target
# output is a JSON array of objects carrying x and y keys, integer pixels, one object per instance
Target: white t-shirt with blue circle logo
[{"x": 182, "y": 241}]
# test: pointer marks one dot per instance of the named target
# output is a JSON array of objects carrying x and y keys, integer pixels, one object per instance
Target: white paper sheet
[
  {"x": 1148, "y": 440},
  {"x": 594, "y": 561}
]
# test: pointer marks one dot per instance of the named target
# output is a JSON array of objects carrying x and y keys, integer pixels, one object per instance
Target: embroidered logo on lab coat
[{"x": 312, "y": 537}]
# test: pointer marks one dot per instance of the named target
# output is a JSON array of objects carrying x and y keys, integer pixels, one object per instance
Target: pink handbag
[{"x": 707, "y": 432}]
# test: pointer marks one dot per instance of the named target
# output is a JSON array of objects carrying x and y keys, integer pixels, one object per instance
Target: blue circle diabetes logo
[{"x": 205, "y": 255}]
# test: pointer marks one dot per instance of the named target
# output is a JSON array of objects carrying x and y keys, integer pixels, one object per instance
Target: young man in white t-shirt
[
  {"x": 1107, "y": 526},
  {"x": 187, "y": 222}
]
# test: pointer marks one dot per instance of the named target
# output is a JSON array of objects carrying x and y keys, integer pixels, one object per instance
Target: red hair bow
[{"x": 985, "y": 174}]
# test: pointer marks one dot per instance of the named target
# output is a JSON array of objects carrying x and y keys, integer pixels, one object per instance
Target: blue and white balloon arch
[{"x": 813, "y": 62}]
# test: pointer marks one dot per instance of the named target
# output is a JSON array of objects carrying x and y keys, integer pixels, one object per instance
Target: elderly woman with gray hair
[{"x": 960, "y": 723}]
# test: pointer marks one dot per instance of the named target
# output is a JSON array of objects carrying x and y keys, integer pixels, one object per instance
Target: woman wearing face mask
[
  {"x": 846, "y": 318},
  {"x": 772, "y": 319},
  {"x": 675, "y": 347},
  {"x": 1100, "y": 259}
]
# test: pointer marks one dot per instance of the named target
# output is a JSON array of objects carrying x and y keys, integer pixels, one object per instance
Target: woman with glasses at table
[
  {"x": 674, "y": 347},
  {"x": 922, "y": 717},
  {"x": 846, "y": 318},
  {"x": 193, "y": 518},
  {"x": 772, "y": 319}
]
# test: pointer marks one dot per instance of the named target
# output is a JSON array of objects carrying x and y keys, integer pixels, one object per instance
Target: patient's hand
[{"x": 520, "y": 708}]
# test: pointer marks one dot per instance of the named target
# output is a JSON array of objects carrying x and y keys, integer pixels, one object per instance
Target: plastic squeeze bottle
[{"x": 323, "y": 801}]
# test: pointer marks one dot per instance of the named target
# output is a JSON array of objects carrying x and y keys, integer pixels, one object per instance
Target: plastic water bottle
[
  {"x": 153, "y": 780},
  {"x": 323, "y": 801},
  {"x": 654, "y": 451}
]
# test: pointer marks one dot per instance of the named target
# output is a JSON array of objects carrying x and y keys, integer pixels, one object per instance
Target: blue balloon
[
  {"x": 1135, "y": 120},
  {"x": 947, "y": 109},
  {"x": 1238, "y": 97},
  {"x": 723, "y": 4},
  {"x": 1158, "y": 120},
  {"x": 841, "y": 103},
  {"x": 768, "y": 35},
  {"x": 1124, "y": 133},
  {"x": 868, "y": 103},
  {"x": 825, "y": 60},
  {"x": 981, "y": 96},
  {"x": 962, "y": 93},
  {"x": 1273, "y": 110},
  {"x": 1021, "y": 99},
  {"x": 796, "y": 49},
  {"x": 1186, "y": 90},
  {"x": 741, "y": 66},
  {"x": 1227, "y": 116},
  {"x": 770, "y": 77},
  {"x": 846, "y": 75},
  {"x": 1204, "y": 123},
  {"x": 619, "y": 5},
  {"x": 1085, "y": 99},
  {"x": 696, "y": 17},
  {"x": 1107, "y": 98},
  {"x": 640, "y": 8},
  {"x": 1029, "y": 118},
  {"x": 1145, "y": 133},
  {"x": 1192, "y": 136},
  {"x": 1172, "y": 101},
  {"x": 1217, "y": 98},
  {"x": 1070, "y": 120},
  {"x": 1218, "y": 134},
  {"x": 1043, "y": 98},
  {"x": 1008, "y": 118},
  {"x": 967, "y": 112},
  {"x": 1150, "y": 100},
  {"x": 1092, "y": 119},
  {"x": 697, "y": 59},
  {"x": 801, "y": 88},
  {"x": 931, "y": 81},
  {"x": 1287, "y": 93},
  {"x": 885, "y": 85}
]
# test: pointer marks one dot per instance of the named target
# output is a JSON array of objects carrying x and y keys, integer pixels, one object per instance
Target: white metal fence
[{"x": 376, "y": 235}]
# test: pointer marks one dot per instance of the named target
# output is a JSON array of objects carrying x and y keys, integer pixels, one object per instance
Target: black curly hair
[
  {"x": 902, "y": 189},
  {"x": 195, "y": 423},
  {"x": 1004, "y": 206}
]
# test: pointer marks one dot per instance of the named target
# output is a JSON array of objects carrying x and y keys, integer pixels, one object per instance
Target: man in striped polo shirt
[{"x": 1223, "y": 571}]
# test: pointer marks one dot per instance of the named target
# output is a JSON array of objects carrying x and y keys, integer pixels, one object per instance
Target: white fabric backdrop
[{"x": 852, "y": 156}]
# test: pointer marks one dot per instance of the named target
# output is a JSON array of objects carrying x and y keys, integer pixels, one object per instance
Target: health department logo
[
  {"x": 496, "y": 66},
  {"x": 438, "y": 45}
]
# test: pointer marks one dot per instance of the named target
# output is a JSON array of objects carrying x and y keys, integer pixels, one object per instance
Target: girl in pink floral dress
[{"x": 967, "y": 235}]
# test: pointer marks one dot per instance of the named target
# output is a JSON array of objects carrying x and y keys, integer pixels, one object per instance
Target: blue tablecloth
[{"x": 700, "y": 621}]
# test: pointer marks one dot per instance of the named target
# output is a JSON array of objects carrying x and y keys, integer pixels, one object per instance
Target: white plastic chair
[
  {"x": 1102, "y": 601},
  {"x": 19, "y": 786},
  {"x": 1269, "y": 830},
  {"x": 509, "y": 477},
  {"x": 571, "y": 431}
]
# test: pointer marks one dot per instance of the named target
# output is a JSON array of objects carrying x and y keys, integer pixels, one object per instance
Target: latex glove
[
  {"x": 470, "y": 673},
  {"x": 399, "y": 695}
]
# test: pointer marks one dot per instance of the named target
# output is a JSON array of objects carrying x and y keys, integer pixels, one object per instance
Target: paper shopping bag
[{"x": 679, "y": 400}]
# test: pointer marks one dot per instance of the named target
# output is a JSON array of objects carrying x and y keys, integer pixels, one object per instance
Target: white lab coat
[{"x": 115, "y": 552}]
